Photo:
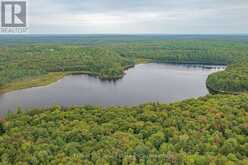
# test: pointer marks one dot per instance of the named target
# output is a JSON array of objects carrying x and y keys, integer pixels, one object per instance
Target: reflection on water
[{"x": 145, "y": 83}]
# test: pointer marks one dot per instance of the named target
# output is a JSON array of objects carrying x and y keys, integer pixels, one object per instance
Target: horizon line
[{"x": 230, "y": 34}]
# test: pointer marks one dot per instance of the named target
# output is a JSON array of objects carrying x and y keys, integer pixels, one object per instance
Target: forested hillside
[
  {"x": 189, "y": 51},
  {"x": 25, "y": 62},
  {"x": 20, "y": 62},
  {"x": 209, "y": 130},
  {"x": 233, "y": 79},
  {"x": 233, "y": 54}
]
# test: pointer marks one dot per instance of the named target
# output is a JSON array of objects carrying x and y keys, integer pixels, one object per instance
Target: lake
[{"x": 152, "y": 82}]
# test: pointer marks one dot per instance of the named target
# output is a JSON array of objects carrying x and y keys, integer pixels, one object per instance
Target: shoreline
[
  {"x": 53, "y": 77},
  {"x": 215, "y": 92},
  {"x": 37, "y": 81}
]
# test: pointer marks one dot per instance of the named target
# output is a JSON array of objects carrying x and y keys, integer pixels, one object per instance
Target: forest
[
  {"x": 109, "y": 60},
  {"x": 208, "y": 130},
  {"x": 29, "y": 61},
  {"x": 234, "y": 79},
  {"x": 204, "y": 131}
]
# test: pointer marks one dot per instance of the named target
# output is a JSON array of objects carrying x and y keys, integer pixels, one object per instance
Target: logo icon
[{"x": 13, "y": 14}]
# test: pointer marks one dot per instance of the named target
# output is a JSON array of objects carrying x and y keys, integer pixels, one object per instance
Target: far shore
[{"x": 53, "y": 77}]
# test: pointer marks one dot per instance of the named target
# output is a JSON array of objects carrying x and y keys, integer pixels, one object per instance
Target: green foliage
[
  {"x": 209, "y": 130},
  {"x": 29, "y": 61},
  {"x": 2, "y": 129},
  {"x": 110, "y": 59},
  {"x": 186, "y": 51},
  {"x": 232, "y": 53},
  {"x": 233, "y": 79}
]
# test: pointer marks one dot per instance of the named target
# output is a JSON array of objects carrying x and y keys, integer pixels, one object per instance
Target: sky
[{"x": 138, "y": 16}]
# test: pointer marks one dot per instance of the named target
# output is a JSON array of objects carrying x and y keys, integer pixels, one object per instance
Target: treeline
[
  {"x": 195, "y": 51},
  {"x": 234, "y": 79},
  {"x": 29, "y": 61},
  {"x": 209, "y": 130},
  {"x": 109, "y": 60},
  {"x": 234, "y": 54}
]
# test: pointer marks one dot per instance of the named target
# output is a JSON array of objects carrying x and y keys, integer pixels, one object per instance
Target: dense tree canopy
[
  {"x": 233, "y": 54},
  {"x": 212, "y": 129},
  {"x": 28, "y": 61},
  {"x": 110, "y": 59},
  {"x": 233, "y": 79},
  {"x": 208, "y": 130}
]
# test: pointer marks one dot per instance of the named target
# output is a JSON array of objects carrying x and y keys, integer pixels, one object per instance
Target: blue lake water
[{"x": 153, "y": 82}]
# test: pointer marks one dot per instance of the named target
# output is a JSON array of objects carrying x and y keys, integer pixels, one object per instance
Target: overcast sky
[{"x": 139, "y": 16}]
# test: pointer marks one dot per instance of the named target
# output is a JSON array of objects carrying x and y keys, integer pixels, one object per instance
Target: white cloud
[{"x": 186, "y": 16}]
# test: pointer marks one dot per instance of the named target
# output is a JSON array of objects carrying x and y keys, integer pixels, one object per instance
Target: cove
[{"x": 144, "y": 83}]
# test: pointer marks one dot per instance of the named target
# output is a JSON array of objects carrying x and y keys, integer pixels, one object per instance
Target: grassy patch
[
  {"x": 32, "y": 82},
  {"x": 143, "y": 61}
]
